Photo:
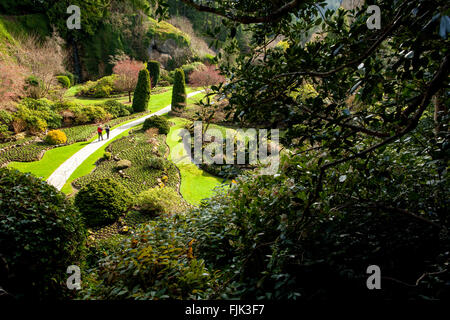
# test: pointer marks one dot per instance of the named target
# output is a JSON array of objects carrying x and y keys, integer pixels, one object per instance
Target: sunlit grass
[{"x": 196, "y": 184}]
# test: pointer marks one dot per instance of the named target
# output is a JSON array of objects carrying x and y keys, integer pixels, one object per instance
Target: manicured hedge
[
  {"x": 153, "y": 68},
  {"x": 179, "y": 91},
  {"x": 142, "y": 93}
]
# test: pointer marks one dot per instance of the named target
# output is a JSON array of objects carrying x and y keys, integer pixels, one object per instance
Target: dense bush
[
  {"x": 41, "y": 234},
  {"x": 179, "y": 96},
  {"x": 153, "y": 68},
  {"x": 6, "y": 119},
  {"x": 70, "y": 76},
  {"x": 154, "y": 263},
  {"x": 89, "y": 114},
  {"x": 102, "y": 201},
  {"x": 141, "y": 96},
  {"x": 260, "y": 233},
  {"x": 166, "y": 77},
  {"x": 159, "y": 200},
  {"x": 37, "y": 115},
  {"x": 56, "y": 137},
  {"x": 117, "y": 109},
  {"x": 157, "y": 163},
  {"x": 64, "y": 81},
  {"x": 102, "y": 88},
  {"x": 158, "y": 122}
]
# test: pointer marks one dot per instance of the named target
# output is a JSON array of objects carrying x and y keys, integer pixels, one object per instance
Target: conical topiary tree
[
  {"x": 153, "y": 68},
  {"x": 142, "y": 93},
  {"x": 179, "y": 91}
]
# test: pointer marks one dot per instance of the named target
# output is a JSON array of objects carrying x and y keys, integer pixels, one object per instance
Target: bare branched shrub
[
  {"x": 198, "y": 45},
  {"x": 44, "y": 59},
  {"x": 206, "y": 77},
  {"x": 12, "y": 80},
  {"x": 128, "y": 73}
]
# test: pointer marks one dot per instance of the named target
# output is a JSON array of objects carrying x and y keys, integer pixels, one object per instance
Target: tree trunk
[
  {"x": 129, "y": 96},
  {"x": 439, "y": 111}
]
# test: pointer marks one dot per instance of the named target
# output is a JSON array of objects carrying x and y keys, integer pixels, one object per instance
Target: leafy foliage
[
  {"x": 117, "y": 109},
  {"x": 154, "y": 263},
  {"x": 159, "y": 200},
  {"x": 64, "y": 81},
  {"x": 102, "y": 88},
  {"x": 102, "y": 201},
  {"x": 56, "y": 137},
  {"x": 41, "y": 234},
  {"x": 158, "y": 122}
]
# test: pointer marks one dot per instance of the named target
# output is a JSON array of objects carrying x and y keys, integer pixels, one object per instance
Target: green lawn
[
  {"x": 195, "y": 183},
  {"x": 51, "y": 160}
]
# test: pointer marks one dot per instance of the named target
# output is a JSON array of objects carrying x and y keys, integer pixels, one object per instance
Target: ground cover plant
[{"x": 139, "y": 176}]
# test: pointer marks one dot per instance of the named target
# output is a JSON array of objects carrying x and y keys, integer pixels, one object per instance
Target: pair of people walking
[{"x": 100, "y": 132}]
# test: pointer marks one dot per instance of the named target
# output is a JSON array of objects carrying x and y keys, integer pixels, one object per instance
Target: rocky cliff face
[{"x": 351, "y": 4}]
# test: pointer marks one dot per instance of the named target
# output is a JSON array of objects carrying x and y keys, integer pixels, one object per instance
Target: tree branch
[{"x": 273, "y": 17}]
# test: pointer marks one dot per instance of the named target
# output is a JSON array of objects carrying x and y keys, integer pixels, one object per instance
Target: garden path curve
[{"x": 60, "y": 176}]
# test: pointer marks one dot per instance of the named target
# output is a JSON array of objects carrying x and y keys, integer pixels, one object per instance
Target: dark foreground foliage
[{"x": 41, "y": 234}]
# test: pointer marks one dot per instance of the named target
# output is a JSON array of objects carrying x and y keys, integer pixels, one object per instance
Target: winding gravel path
[{"x": 60, "y": 176}]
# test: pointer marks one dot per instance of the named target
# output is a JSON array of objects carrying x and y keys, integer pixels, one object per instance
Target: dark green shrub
[
  {"x": 64, "y": 81},
  {"x": 142, "y": 93},
  {"x": 157, "y": 163},
  {"x": 166, "y": 77},
  {"x": 117, "y": 109},
  {"x": 171, "y": 64},
  {"x": 41, "y": 234},
  {"x": 158, "y": 122},
  {"x": 102, "y": 201},
  {"x": 153, "y": 68},
  {"x": 179, "y": 91}
]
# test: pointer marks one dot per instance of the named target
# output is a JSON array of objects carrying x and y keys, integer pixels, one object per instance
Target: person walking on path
[
  {"x": 107, "y": 128},
  {"x": 100, "y": 133}
]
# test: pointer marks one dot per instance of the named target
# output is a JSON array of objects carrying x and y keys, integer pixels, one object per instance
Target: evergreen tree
[
  {"x": 179, "y": 91},
  {"x": 142, "y": 93},
  {"x": 153, "y": 68}
]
